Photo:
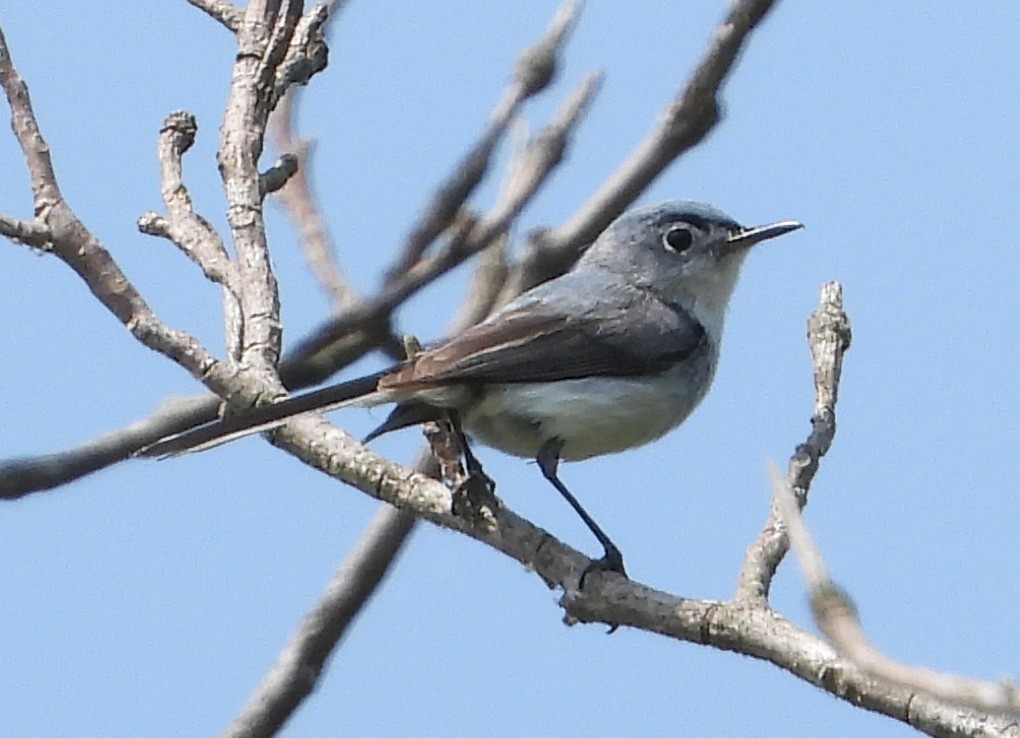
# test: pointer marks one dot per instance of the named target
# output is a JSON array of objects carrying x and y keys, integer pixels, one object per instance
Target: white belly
[{"x": 591, "y": 416}]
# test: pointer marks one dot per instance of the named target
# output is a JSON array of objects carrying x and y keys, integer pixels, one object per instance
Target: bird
[{"x": 611, "y": 355}]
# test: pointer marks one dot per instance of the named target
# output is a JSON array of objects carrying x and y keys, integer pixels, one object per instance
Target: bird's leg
[
  {"x": 471, "y": 463},
  {"x": 477, "y": 492},
  {"x": 548, "y": 459}
]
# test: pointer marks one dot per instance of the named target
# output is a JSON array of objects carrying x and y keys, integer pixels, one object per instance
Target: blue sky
[{"x": 151, "y": 598}]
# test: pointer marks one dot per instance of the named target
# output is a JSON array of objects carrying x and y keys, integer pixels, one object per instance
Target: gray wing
[{"x": 627, "y": 333}]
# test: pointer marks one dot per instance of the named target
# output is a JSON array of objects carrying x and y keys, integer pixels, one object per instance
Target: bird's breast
[{"x": 592, "y": 416}]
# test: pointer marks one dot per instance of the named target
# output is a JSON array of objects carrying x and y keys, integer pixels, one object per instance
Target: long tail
[{"x": 261, "y": 418}]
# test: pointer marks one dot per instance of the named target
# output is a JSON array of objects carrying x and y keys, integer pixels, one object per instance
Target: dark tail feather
[
  {"x": 261, "y": 418},
  {"x": 406, "y": 414}
]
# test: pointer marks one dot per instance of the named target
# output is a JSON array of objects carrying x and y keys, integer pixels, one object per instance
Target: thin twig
[
  {"x": 828, "y": 338},
  {"x": 299, "y": 204},
  {"x": 72, "y": 242},
  {"x": 277, "y": 175},
  {"x": 837, "y": 618},
  {"x": 188, "y": 230},
  {"x": 25, "y": 232},
  {"x": 531, "y": 167},
  {"x": 543, "y": 157},
  {"x": 536, "y": 67},
  {"x": 683, "y": 124},
  {"x": 298, "y": 668},
  {"x": 307, "y": 54},
  {"x": 223, "y": 11}
]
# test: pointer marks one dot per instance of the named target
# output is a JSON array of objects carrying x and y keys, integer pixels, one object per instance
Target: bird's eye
[{"x": 678, "y": 239}]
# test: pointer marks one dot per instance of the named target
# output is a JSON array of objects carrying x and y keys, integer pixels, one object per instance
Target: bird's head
[{"x": 684, "y": 251}]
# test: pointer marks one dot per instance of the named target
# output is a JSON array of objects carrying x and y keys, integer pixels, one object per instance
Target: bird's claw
[
  {"x": 475, "y": 497},
  {"x": 612, "y": 560}
]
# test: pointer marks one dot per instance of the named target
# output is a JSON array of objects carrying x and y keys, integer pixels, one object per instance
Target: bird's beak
[{"x": 745, "y": 238}]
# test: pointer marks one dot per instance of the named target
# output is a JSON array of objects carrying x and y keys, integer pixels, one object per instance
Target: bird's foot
[
  {"x": 474, "y": 498},
  {"x": 612, "y": 560}
]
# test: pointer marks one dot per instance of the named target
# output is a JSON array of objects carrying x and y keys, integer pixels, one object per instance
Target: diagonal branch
[
  {"x": 299, "y": 204},
  {"x": 21, "y": 477},
  {"x": 72, "y": 242},
  {"x": 297, "y": 670},
  {"x": 544, "y": 155},
  {"x": 683, "y": 124},
  {"x": 536, "y": 67},
  {"x": 837, "y": 618},
  {"x": 745, "y": 625},
  {"x": 27, "y": 232},
  {"x": 221, "y": 10}
]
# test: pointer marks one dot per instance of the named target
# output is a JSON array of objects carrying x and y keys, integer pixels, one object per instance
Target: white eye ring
[{"x": 678, "y": 239}]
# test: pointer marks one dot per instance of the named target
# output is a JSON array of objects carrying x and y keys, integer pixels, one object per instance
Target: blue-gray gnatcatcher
[{"x": 611, "y": 355}]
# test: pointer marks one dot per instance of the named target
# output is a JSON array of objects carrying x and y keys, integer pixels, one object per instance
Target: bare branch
[
  {"x": 541, "y": 159},
  {"x": 223, "y": 11},
  {"x": 299, "y": 666},
  {"x": 37, "y": 153},
  {"x": 241, "y": 137},
  {"x": 536, "y": 66},
  {"x": 188, "y": 230},
  {"x": 487, "y": 281},
  {"x": 71, "y": 242},
  {"x": 743, "y": 626},
  {"x": 280, "y": 36},
  {"x": 307, "y": 54},
  {"x": 535, "y": 69},
  {"x": 682, "y": 125},
  {"x": 20, "y": 477},
  {"x": 828, "y": 337},
  {"x": 837, "y": 618},
  {"x": 299, "y": 203},
  {"x": 757, "y": 631},
  {"x": 789, "y": 509},
  {"x": 746, "y": 624},
  {"x": 365, "y": 325},
  {"x": 307, "y": 367},
  {"x": 277, "y": 175},
  {"x": 530, "y": 168},
  {"x": 25, "y": 232}
]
